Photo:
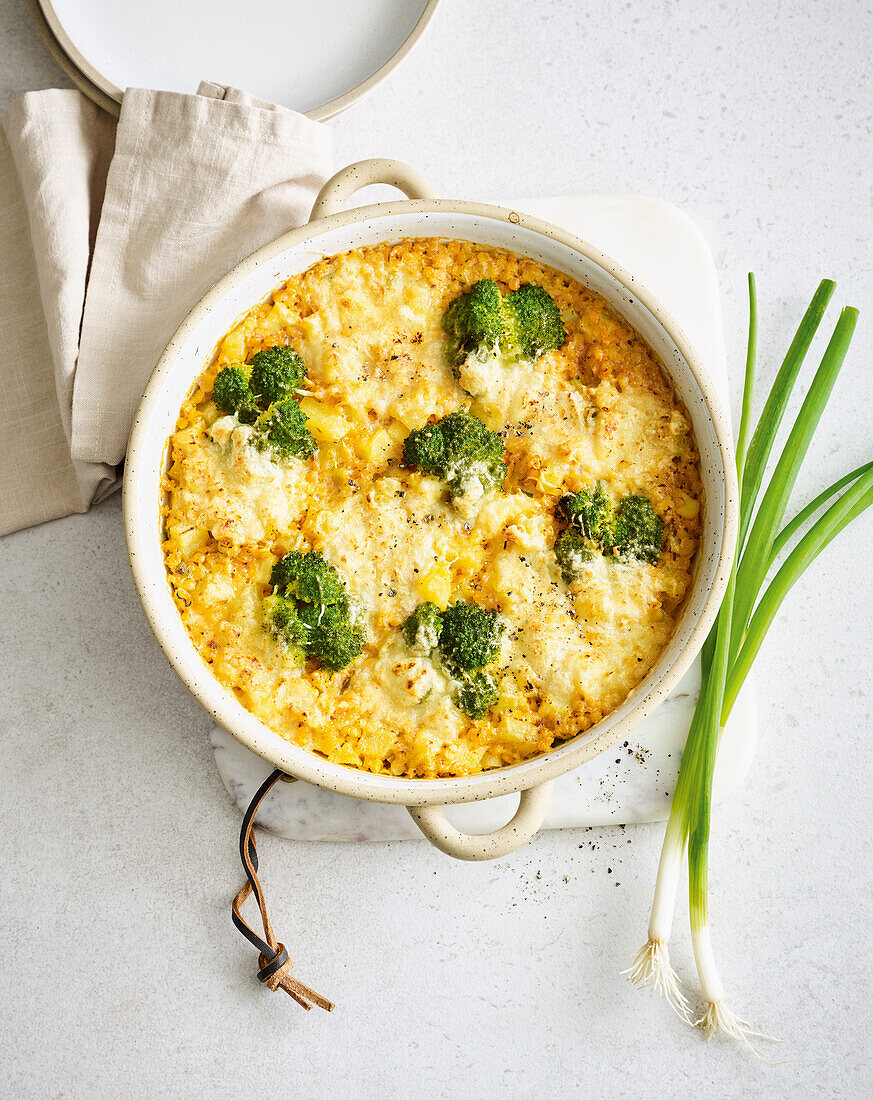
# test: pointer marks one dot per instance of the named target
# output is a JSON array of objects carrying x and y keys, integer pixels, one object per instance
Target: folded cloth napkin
[{"x": 110, "y": 232}]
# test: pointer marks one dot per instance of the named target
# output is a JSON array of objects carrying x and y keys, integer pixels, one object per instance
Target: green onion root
[{"x": 651, "y": 967}]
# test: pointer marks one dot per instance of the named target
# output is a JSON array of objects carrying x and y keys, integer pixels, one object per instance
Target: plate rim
[{"x": 108, "y": 96}]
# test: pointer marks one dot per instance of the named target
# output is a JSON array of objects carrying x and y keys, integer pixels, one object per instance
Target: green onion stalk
[{"x": 741, "y": 625}]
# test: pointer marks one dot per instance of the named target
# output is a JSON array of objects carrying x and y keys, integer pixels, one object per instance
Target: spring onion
[{"x": 743, "y": 620}]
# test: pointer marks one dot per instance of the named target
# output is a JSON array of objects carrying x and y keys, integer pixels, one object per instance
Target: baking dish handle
[
  {"x": 332, "y": 197},
  {"x": 527, "y": 820}
]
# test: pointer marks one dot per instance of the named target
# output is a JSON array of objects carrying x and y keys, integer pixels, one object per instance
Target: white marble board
[{"x": 632, "y": 783}]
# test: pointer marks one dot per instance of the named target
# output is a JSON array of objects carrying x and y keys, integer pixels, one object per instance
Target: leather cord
[{"x": 275, "y": 966}]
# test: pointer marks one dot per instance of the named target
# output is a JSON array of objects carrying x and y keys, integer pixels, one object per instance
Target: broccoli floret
[
  {"x": 281, "y": 618},
  {"x": 474, "y": 455},
  {"x": 460, "y": 449},
  {"x": 467, "y": 440},
  {"x": 310, "y": 609},
  {"x": 476, "y": 694},
  {"x": 482, "y": 325},
  {"x": 422, "y": 629},
  {"x": 633, "y": 531},
  {"x": 590, "y": 509},
  {"x": 335, "y": 640},
  {"x": 638, "y": 531},
  {"x": 308, "y": 577},
  {"x": 469, "y": 637},
  {"x": 476, "y": 321},
  {"x": 273, "y": 375},
  {"x": 282, "y": 429},
  {"x": 535, "y": 324},
  {"x": 231, "y": 394},
  {"x": 425, "y": 449},
  {"x": 572, "y": 551},
  {"x": 276, "y": 373},
  {"x": 244, "y": 391}
]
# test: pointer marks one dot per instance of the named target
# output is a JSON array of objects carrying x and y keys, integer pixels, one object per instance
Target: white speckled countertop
[{"x": 120, "y": 972}]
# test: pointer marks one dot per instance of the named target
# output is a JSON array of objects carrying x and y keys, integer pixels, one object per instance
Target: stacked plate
[{"x": 314, "y": 57}]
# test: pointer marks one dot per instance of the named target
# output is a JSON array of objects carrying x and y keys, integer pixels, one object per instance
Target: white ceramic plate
[{"x": 314, "y": 57}]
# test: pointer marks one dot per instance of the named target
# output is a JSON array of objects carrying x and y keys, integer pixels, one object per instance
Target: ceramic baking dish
[{"x": 332, "y": 230}]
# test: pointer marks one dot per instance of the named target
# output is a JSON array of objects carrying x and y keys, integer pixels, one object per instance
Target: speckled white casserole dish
[{"x": 331, "y": 231}]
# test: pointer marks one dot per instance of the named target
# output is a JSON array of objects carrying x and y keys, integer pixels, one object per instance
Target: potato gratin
[{"x": 431, "y": 509}]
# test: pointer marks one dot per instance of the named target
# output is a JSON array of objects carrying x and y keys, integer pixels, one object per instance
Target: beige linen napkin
[{"x": 109, "y": 237}]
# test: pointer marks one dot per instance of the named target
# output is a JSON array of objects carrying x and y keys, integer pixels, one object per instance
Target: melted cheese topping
[{"x": 368, "y": 326}]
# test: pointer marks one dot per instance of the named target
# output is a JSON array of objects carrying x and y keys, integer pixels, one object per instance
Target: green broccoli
[
  {"x": 469, "y": 637},
  {"x": 460, "y": 449},
  {"x": 422, "y": 629},
  {"x": 637, "y": 532},
  {"x": 280, "y": 617},
  {"x": 425, "y": 449},
  {"x": 632, "y": 531},
  {"x": 476, "y": 321},
  {"x": 466, "y": 439},
  {"x": 572, "y": 551},
  {"x": 276, "y": 373},
  {"x": 260, "y": 394},
  {"x": 231, "y": 394},
  {"x": 334, "y": 640},
  {"x": 590, "y": 509},
  {"x": 476, "y": 693},
  {"x": 522, "y": 325},
  {"x": 282, "y": 429},
  {"x": 310, "y": 609},
  {"x": 308, "y": 577},
  {"x": 535, "y": 324}
]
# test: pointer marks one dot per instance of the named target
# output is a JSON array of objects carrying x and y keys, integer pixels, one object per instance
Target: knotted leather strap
[{"x": 275, "y": 966}]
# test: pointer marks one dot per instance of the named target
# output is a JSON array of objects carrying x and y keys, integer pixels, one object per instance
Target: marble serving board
[{"x": 633, "y": 782}]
